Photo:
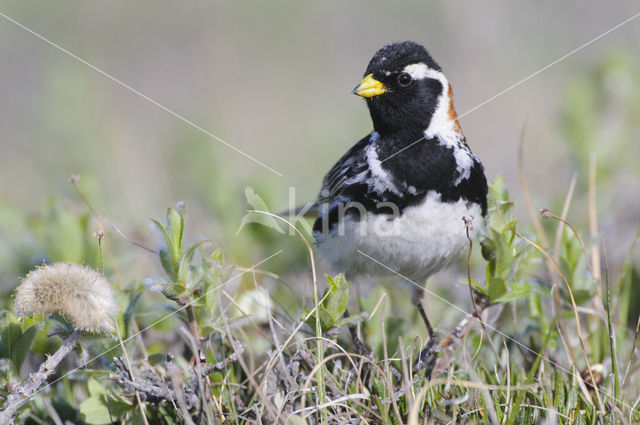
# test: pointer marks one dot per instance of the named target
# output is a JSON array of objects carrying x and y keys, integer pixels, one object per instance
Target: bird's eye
[{"x": 404, "y": 79}]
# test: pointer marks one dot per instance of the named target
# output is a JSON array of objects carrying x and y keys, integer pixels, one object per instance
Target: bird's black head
[{"x": 402, "y": 84}]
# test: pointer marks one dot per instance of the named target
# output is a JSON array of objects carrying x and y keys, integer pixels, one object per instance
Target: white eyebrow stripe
[{"x": 420, "y": 71}]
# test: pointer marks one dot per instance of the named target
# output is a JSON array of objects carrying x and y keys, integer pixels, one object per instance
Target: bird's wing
[{"x": 352, "y": 164}]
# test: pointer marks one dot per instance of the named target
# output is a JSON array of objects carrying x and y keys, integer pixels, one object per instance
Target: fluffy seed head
[{"x": 80, "y": 294}]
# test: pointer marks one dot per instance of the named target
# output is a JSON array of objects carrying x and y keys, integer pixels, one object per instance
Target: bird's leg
[
  {"x": 416, "y": 299},
  {"x": 427, "y": 357}
]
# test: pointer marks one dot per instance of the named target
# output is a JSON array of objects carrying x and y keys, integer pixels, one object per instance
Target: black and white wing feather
[{"x": 350, "y": 166}]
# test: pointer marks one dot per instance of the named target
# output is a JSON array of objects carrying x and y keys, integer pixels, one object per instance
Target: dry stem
[{"x": 24, "y": 391}]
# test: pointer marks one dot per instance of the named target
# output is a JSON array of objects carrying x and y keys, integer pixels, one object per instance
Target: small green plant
[
  {"x": 333, "y": 306},
  {"x": 201, "y": 353},
  {"x": 505, "y": 251},
  {"x": 192, "y": 285}
]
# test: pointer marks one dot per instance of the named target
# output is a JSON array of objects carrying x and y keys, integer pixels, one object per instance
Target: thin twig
[
  {"x": 153, "y": 388},
  {"x": 633, "y": 349},
  {"x": 176, "y": 377},
  {"x": 23, "y": 392},
  {"x": 468, "y": 224},
  {"x": 126, "y": 358},
  {"x": 99, "y": 235}
]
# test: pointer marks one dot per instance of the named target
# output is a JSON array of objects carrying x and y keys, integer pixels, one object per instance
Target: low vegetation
[{"x": 544, "y": 331}]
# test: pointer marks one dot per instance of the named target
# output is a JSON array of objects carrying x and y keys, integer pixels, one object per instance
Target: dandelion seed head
[{"x": 78, "y": 293}]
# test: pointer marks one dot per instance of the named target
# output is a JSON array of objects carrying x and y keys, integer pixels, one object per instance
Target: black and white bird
[{"x": 395, "y": 202}]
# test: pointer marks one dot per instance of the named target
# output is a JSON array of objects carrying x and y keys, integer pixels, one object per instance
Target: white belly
[{"x": 423, "y": 240}]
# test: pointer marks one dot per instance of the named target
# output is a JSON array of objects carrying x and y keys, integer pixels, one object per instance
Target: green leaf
[
  {"x": 165, "y": 258},
  {"x": 157, "y": 358},
  {"x": 572, "y": 396},
  {"x": 379, "y": 387},
  {"x": 336, "y": 303},
  {"x": 118, "y": 407},
  {"x": 535, "y": 306},
  {"x": 581, "y": 295},
  {"x": 516, "y": 291},
  {"x": 217, "y": 380},
  {"x": 258, "y": 204},
  {"x": 175, "y": 228},
  {"x": 348, "y": 320},
  {"x": 15, "y": 344},
  {"x": 8, "y": 337},
  {"x": 340, "y": 281},
  {"x": 497, "y": 288},
  {"x": 102, "y": 408},
  {"x": 171, "y": 290},
  {"x": 217, "y": 255},
  {"x": 128, "y": 314},
  {"x": 186, "y": 258},
  {"x": 558, "y": 391},
  {"x": 22, "y": 346},
  {"x": 502, "y": 255},
  {"x": 336, "y": 299},
  {"x": 95, "y": 388},
  {"x": 497, "y": 190},
  {"x": 325, "y": 319},
  {"x": 162, "y": 230},
  {"x": 94, "y": 411},
  {"x": 476, "y": 285},
  {"x": 173, "y": 235}
]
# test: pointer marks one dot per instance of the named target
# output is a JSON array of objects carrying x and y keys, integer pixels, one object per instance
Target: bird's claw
[{"x": 427, "y": 358}]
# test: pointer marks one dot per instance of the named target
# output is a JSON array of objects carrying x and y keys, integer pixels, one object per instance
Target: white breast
[{"x": 423, "y": 240}]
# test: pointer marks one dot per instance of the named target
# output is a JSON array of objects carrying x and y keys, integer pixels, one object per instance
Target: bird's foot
[{"x": 427, "y": 358}]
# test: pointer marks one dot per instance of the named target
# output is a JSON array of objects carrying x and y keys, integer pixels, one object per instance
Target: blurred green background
[{"x": 273, "y": 79}]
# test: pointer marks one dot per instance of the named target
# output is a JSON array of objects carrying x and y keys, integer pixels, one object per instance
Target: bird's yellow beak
[{"x": 369, "y": 87}]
